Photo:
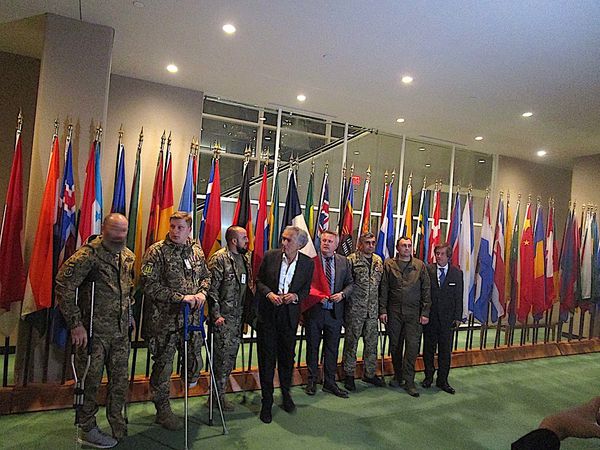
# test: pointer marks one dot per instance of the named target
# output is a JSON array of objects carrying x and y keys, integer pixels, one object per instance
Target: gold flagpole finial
[
  {"x": 163, "y": 138},
  {"x": 217, "y": 150},
  {"x": 529, "y": 198},
  {"x": 351, "y": 170},
  {"x": 121, "y": 132},
  {"x": 424, "y": 182},
  {"x": 410, "y": 179},
  {"x": 369, "y": 173},
  {"x": 169, "y": 140},
  {"x": 393, "y": 175},
  {"x": 100, "y": 132},
  {"x": 312, "y": 167},
  {"x": 69, "y": 132},
  {"x": 56, "y": 127},
  {"x": 327, "y": 166},
  {"x": 141, "y": 139}
]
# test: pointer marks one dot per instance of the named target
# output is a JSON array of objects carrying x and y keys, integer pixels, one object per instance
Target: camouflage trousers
[
  {"x": 112, "y": 352},
  {"x": 354, "y": 329},
  {"x": 227, "y": 340},
  {"x": 163, "y": 348}
]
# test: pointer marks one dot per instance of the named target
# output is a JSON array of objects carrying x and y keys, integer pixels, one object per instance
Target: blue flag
[
  {"x": 187, "y": 194},
  {"x": 385, "y": 239}
]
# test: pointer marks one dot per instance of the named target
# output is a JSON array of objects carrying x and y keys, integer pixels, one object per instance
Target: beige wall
[
  {"x": 586, "y": 177},
  {"x": 518, "y": 176},
  {"x": 134, "y": 104},
  {"x": 18, "y": 90}
]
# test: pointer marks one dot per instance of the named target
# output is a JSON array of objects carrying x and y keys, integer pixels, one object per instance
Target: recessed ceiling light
[
  {"x": 400, "y": 120},
  {"x": 527, "y": 114},
  {"x": 356, "y": 152},
  {"x": 301, "y": 97},
  {"x": 481, "y": 161},
  {"x": 267, "y": 138},
  {"x": 407, "y": 79},
  {"x": 138, "y": 4},
  {"x": 421, "y": 149},
  {"x": 228, "y": 28},
  {"x": 427, "y": 165},
  {"x": 542, "y": 152},
  {"x": 479, "y": 138},
  {"x": 262, "y": 119},
  {"x": 172, "y": 68}
]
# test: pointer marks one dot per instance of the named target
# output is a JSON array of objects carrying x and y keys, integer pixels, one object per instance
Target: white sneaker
[{"x": 98, "y": 439}]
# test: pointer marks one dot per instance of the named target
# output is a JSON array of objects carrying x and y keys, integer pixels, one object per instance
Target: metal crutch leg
[{"x": 381, "y": 343}]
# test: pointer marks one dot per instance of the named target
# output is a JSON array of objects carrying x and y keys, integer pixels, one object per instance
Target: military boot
[{"x": 166, "y": 418}]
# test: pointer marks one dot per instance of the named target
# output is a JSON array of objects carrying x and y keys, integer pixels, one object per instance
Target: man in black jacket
[
  {"x": 283, "y": 283},
  {"x": 446, "y": 313}
]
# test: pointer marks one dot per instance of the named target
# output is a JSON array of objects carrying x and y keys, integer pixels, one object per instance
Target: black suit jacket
[
  {"x": 343, "y": 283},
  {"x": 268, "y": 281},
  {"x": 446, "y": 300}
]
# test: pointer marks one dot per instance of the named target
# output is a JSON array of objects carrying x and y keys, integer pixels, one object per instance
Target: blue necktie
[{"x": 442, "y": 275}]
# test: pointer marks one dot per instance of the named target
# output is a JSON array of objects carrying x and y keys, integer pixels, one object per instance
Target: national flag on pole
[
  {"x": 421, "y": 244},
  {"x": 323, "y": 212},
  {"x": 436, "y": 231},
  {"x": 484, "y": 278},
  {"x": 38, "y": 290},
  {"x": 384, "y": 198},
  {"x": 454, "y": 231},
  {"x": 526, "y": 254},
  {"x": 309, "y": 208},
  {"x": 508, "y": 229},
  {"x": 186, "y": 202},
  {"x": 210, "y": 228},
  {"x": 90, "y": 214},
  {"x": 167, "y": 203},
  {"x": 261, "y": 240},
  {"x": 586, "y": 256},
  {"x": 134, "y": 230},
  {"x": 365, "y": 214},
  {"x": 67, "y": 210},
  {"x": 514, "y": 268},
  {"x": 157, "y": 192},
  {"x": 274, "y": 213},
  {"x": 596, "y": 260},
  {"x": 118, "y": 201},
  {"x": 406, "y": 228},
  {"x": 551, "y": 277},
  {"x": 12, "y": 276},
  {"x": 539, "y": 265},
  {"x": 385, "y": 239},
  {"x": 568, "y": 268},
  {"x": 242, "y": 215},
  {"x": 467, "y": 256},
  {"x": 498, "y": 265},
  {"x": 346, "y": 242}
]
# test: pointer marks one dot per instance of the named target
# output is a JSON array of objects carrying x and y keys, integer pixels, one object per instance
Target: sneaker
[{"x": 97, "y": 438}]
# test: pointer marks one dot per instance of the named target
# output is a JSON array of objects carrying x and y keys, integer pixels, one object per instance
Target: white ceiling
[{"x": 477, "y": 65}]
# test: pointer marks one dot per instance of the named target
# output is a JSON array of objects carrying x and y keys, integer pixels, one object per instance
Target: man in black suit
[
  {"x": 446, "y": 313},
  {"x": 325, "y": 319},
  {"x": 283, "y": 283}
]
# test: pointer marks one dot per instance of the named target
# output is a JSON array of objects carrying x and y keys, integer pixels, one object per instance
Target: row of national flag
[{"x": 516, "y": 272}]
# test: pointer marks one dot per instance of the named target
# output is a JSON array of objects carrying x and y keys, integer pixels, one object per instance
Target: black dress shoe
[
  {"x": 447, "y": 388},
  {"x": 335, "y": 390},
  {"x": 349, "y": 383},
  {"x": 427, "y": 383},
  {"x": 412, "y": 391},
  {"x": 397, "y": 383},
  {"x": 311, "y": 388},
  {"x": 288, "y": 404},
  {"x": 375, "y": 381},
  {"x": 265, "y": 414}
]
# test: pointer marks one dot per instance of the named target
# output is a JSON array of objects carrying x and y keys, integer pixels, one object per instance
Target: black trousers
[
  {"x": 437, "y": 337},
  {"x": 276, "y": 342},
  {"x": 405, "y": 339},
  {"x": 323, "y": 324}
]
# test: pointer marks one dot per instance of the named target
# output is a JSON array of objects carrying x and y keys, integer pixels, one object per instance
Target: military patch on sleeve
[
  {"x": 147, "y": 269},
  {"x": 68, "y": 273}
]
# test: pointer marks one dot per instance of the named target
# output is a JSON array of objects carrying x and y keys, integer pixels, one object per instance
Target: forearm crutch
[
  {"x": 187, "y": 329},
  {"x": 382, "y": 344},
  {"x": 79, "y": 390},
  {"x": 243, "y": 364}
]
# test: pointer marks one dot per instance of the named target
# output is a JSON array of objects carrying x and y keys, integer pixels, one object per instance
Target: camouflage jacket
[
  {"x": 365, "y": 297},
  {"x": 112, "y": 275},
  {"x": 169, "y": 272},
  {"x": 405, "y": 289},
  {"x": 227, "y": 292}
]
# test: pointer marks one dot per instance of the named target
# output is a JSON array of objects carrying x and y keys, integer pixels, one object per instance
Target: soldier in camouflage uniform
[
  {"x": 174, "y": 271},
  {"x": 360, "y": 316},
  {"x": 231, "y": 276},
  {"x": 105, "y": 261}
]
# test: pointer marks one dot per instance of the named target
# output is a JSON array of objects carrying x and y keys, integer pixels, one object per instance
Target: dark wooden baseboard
[{"x": 42, "y": 397}]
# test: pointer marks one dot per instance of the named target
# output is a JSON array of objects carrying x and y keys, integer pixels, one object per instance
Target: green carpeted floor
[{"x": 494, "y": 405}]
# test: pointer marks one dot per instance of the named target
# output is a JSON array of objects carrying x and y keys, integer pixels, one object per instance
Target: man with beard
[
  {"x": 105, "y": 265},
  {"x": 174, "y": 271},
  {"x": 231, "y": 276}
]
